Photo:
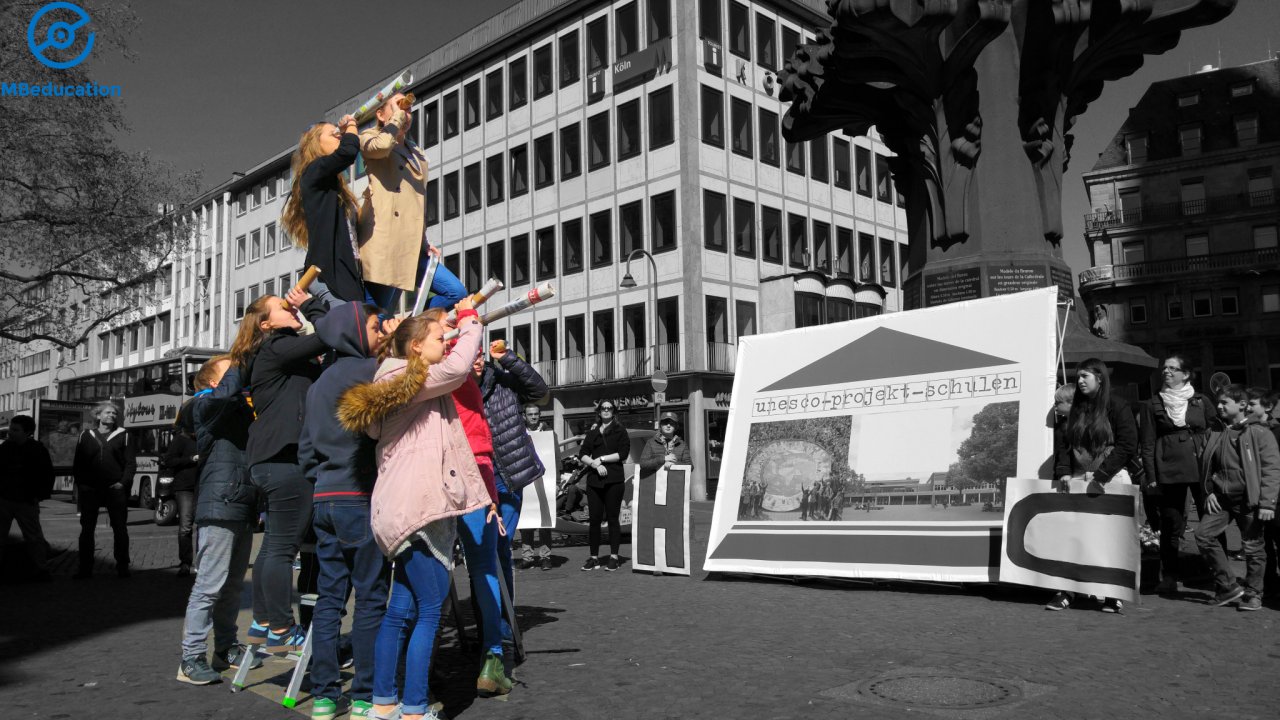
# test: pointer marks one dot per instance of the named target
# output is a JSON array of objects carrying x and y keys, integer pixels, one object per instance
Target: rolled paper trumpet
[
  {"x": 307, "y": 278},
  {"x": 372, "y": 104},
  {"x": 485, "y": 292},
  {"x": 407, "y": 101},
  {"x": 543, "y": 292}
]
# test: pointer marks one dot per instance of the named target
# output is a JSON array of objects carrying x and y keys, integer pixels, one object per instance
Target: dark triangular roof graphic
[{"x": 884, "y": 353}]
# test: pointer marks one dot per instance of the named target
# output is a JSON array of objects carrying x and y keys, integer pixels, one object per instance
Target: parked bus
[{"x": 149, "y": 396}]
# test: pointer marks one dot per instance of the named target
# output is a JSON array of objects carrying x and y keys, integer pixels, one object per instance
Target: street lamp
[{"x": 629, "y": 282}]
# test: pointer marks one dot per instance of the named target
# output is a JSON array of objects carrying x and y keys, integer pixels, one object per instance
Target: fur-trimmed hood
[{"x": 394, "y": 384}]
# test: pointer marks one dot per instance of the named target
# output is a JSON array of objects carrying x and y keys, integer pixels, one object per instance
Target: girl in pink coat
[{"x": 427, "y": 476}]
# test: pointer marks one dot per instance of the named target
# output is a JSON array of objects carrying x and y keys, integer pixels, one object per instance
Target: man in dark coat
[
  {"x": 507, "y": 384},
  {"x": 28, "y": 480},
  {"x": 181, "y": 459},
  {"x": 103, "y": 468}
]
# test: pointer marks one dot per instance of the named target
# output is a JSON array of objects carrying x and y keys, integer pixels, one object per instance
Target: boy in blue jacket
[{"x": 343, "y": 467}]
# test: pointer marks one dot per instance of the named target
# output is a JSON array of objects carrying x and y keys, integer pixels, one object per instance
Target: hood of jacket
[
  {"x": 344, "y": 328},
  {"x": 364, "y": 405}
]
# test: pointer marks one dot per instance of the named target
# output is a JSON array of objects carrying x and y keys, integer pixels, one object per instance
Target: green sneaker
[
  {"x": 493, "y": 678},
  {"x": 324, "y": 709},
  {"x": 361, "y": 709}
]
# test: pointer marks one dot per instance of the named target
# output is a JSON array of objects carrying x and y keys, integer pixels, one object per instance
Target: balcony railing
[
  {"x": 573, "y": 370},
  {"x": 1175, "y": 266},
  {"x": 602, "y": 366},
  {"x": 669, "y": 357},
  {"x": 547, "y": 369},
  {"x": 721, "y": 357},
  {"x": 1107, "y": 219},
  {"x": 635, "y": 362}
]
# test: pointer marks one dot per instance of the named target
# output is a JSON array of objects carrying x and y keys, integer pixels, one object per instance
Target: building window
[
  {"x": 473, "y": 265},
  {"x": 822, "y": 247},
  {"x": 1197, "y": 245},
  {"x": 659, "y": 20},
  {"x": 712, "y": 117},
  {"x": 255, "y": 200},
  {"x": 630, "y": 229},
  {"x": 844, "y": 252},
  {"x": 795, "y": 157},
  {"x": 809, "y": 309},
  {"x": 1173, "y": 307},
  {"x": 518, "y": 77},
  {"x": 519, "y": 170},
  {"x": 454, "y": 264},
  {"x": 493, "y": 94},
  {"x": 542, "y": 84},
  {"x": 570, "y": 60},
  {"x": 839, "y": 310},
  {"x": 668, "y": 316},
  {"x": 240, "y": 304},
  {"x": 1271, "y": 299},
  {"x": 1261, "y": 187},
  {"x": 1133, "y": 251},
  {"x": 1193, "y": 202},
  {"x": 797, "y": 242},
  {"x": 544, "y": 160},
  {"x": 790, "y": 41},
  {"x": 498, "y": 261},
  {"x": 519, "y": 260},
  {"x": 571, "y": 241},
  {"x": 450, "y": 114},
  {"x": 1188, "y": 99},
  {"x": 548, "y": 347},
  {"x": 662, "y": 221},
  {"x": 1246, "y": 130},
  {"x": 601, "y": 238},
  {"x": 626, "y": 27},
  {"x": 269, "y": 287},
  {"x": 744, "y": 228},
  {"x": 709, "y": 19},
  {"x": 1201, "y": 303},
  {"x": 745, "y": 313},
  {"x": 629, "y": 129},
  {"x": 570, "y": 151},
  {"x": 739, "y": 30},
  {"x": 887, "y": 264},
  {"x": 1264, "y": 237},
  {"x": 597, "y": 44},
  {"x": 270, "y": 246},
  {"x": 818, "y": 159},
  {"x": 255, "y": 249},
  {"x": 471, "y": 104},
  {"x": 862, "y": 168},
  {"x": 495, "y": 170},
  {"x": 866, "y": 258},
  {"x": 884, "y": 185},
  {"x": 662, "y": 130},
  {"x": 545, "y": 239},
  {"x": 717, "y": 321},
  {"x": 242, "y": 204},
  {"x": 1136, "y": 149},
  {"x": 602, "y": 322},
  {"x": 713, "y": 220},
  {"x": 841, "y": 163},
  {"x": 740, "y": 117},
  {"x": 771, "y": 234},
  {"x": 598, "y": 141},
  {"x": 1137, "y": 310},
  {"x": 1229, "y": 301},
  {"x": 766, "y": 43},
  {"x": 1242, "y": 89},
  {"x": 769, "y": 137},
  {"x": 241, "y": 246},
  {"x": 1190, "y": 136},
  {"x": 451, "y": 204},
  {"x": 471, "y": 177}
]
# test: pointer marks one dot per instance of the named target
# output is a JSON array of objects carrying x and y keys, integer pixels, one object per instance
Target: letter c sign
[{"x": 1036, "y": 504}]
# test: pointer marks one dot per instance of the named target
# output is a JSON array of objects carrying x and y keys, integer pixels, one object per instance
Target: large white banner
[
  {"x": 539, "y": 507},
  {"x": 1082, "y": 541},
  {"x": 878, "y": 447}
]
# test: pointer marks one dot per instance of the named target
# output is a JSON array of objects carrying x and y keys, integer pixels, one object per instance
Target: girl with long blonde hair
[{"x": 321, "y": 212}]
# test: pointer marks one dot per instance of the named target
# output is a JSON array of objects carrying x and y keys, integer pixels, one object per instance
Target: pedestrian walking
[
  {"x": 28, "y": 479},
  {"x": 103, "y": 469}
]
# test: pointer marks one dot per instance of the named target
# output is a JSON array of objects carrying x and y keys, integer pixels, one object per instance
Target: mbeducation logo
[{"x": 59, "y": 35}]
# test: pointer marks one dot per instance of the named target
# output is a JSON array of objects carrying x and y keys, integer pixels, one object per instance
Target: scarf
[{"x": 1175, "y": 403}]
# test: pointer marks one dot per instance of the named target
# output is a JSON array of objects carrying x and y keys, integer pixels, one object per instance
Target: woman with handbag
[
  {"x": 1175, "y": 425},
  {"x": 1095, "y": 444}
]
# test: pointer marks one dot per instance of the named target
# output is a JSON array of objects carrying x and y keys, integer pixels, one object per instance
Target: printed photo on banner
[
  {"x": 1082, "y": 541},
  {"x": 879, "y": 447}
]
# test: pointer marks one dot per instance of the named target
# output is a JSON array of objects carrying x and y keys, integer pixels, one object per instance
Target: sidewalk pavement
[{"x": 632, "y": 645}]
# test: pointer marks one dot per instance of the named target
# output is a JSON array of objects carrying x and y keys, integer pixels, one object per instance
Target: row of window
[
  {"x": 34, "y": 363},
  {"x": 711, "y": 27},
  {"x": 146, "y": 334},
  {"x": 827, "y": 165},
  {"x": 813, "y": 309},
  {"x": 270, "y": 286},
  {"x": 268, "y": 191},
  {"x": 1191, "y": 137},
  {"x": 513, "y": 166},
  {"x": 1196, "y": 244},
  {"x": 261, "y": 243},
  {"x": 810, "y": 244},
  {"x": 455, "y": 107},
  {"x": 603, "y": 337}
]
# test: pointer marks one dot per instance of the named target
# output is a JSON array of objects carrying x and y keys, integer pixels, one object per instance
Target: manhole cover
[{"x": 941, "y": 691}]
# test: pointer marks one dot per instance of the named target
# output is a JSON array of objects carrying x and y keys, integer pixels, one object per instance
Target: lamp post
[{"x": 629, "y": 282}]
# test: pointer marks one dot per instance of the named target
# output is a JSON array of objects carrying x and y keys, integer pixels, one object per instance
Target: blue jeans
[
  {"x": 509, "y": 504},
  {"x": 480, "y": 545},
  {"x": 288, "y": 495},
  {"x": 349, "y": 558},
  {"x": 221, "y": 562},
  {"x": 419, "y": 585},
  {"x": 447, "y": 287}
]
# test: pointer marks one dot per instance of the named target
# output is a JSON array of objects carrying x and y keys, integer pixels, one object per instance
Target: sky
[{"x": 222, "y": 86}]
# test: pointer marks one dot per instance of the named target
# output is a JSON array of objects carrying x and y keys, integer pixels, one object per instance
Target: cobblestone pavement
[{"x": 624, "y": 645}]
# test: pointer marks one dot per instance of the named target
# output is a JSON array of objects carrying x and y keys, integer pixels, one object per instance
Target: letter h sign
[{"x": 660, "y": 521}]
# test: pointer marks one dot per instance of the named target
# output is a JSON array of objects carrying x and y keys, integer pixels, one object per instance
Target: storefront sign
[
  {"x": 654, "y": 58},
  {"x": 150, "y": 410}
]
